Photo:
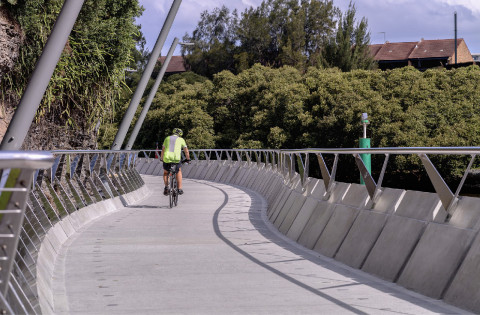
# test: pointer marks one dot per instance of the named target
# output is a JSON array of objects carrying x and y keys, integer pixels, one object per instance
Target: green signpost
[{"x": 365, "y": 143}]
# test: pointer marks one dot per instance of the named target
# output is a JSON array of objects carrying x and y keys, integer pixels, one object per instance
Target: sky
[{"x": 388, "y": 20}]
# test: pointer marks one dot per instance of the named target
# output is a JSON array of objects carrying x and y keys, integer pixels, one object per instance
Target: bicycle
[{"x": 172, "y": 184}]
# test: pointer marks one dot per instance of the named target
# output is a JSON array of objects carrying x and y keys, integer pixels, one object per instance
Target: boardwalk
[{"x": 213, "y": 254}]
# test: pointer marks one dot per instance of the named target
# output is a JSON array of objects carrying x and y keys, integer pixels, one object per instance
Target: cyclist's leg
[
  {"x": 166, "y": 168},
  {"x": 179, "y": 178}
]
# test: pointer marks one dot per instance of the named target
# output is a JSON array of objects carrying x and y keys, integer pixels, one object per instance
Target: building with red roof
[
  {"x": 176, "y": 65},
  {"x": 422, "y": 55}
]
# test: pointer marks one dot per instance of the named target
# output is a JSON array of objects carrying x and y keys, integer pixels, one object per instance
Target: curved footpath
[{"x": 215, "y": 253}]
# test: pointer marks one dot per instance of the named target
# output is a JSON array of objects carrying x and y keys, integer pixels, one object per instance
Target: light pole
[
  {"x": 152, "y": 93},
  {"x": 365, "y": 143},
  {"x": 384, "y": 36}
]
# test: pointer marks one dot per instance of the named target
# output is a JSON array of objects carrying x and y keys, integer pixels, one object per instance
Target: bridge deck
[{"x": 214, "y": 253}]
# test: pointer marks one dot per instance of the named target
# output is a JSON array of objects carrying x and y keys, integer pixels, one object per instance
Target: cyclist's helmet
[{"x": 178, "y": 132}]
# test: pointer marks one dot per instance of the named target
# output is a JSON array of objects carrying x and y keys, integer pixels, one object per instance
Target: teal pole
[
  {"x": 366, "y": 157},
  {"x": 364, "y": 143}
]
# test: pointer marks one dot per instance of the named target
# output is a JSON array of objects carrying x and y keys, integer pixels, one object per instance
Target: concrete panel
[
  {"x": 67, "y": 227},
  {"x": 278, "y": 195},
  {"x": 292, "y": 214},
  {"x": 186, "y": 169},
  {"x": 213, "y": 169},
  {"x": 311, "y": 184},
  {"x": 264, "y": 178},
  {"x": 296, "y": 183},
  {"x": 467, "y": 213},
  {"x": 254, "y": 171},
  {"x": 265, "y": 182},
  {"x": 273, "y": 189},
  {"x": 318, "y": 191},
  {"x": 248, "y": 172},
  {"x": 388, "y": 201},
  {"x": 59, "y": 234},
  {"x": 278, "y": 219},
  {"x": 316, "y": 224},
  {"x": 158, "y": 170},
  {"x": 421, "y": 206},
  {"x": 229, "y": 174},
  {"x": 361, "y": 238},
  {"x": 279, "y": 203},
  {"x": 356, "y": 197},
  {"x": 435, "y": 259},
  {"x": 339, "y": 192},
  {"x": 464, "y": 291},
  {"x": 199, "y": 168},
  {"x": 220, "y": 173},
  {"x": 140, "y": 165},
  {"x": 239, "y": 175},
  {"x": 394, "y": 247},
  {"x": 302, "y": 218},
  {"x": 151, "y": 167},
  {"x": 204, "y": 170},
  {"x": 336, "y": 230}
]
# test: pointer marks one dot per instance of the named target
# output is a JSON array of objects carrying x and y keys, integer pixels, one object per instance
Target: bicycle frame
[{"x": 173, "y": 186}]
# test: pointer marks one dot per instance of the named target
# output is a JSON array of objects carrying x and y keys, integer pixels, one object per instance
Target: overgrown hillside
[{"x": 86, "y": 87}]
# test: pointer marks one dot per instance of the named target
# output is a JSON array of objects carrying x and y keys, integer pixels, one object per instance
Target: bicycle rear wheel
[
  {"x": 172, "y": 190},
  {"x": 175, "y": 196}
]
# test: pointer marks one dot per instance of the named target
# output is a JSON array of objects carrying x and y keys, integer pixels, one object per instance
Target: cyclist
[{"x": 172, "y": 154}]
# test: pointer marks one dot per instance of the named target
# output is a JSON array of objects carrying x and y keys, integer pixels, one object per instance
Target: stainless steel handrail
[
  {"x": 287, "y": 161},
  {"x": 25, "y": 159}
]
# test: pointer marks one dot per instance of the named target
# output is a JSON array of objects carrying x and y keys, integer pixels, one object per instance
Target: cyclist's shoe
[
  {"x": 165, "y": 191},
  {"x": 180, "y": 191}
]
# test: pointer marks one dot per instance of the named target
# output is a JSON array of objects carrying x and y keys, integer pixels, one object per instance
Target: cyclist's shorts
[{"x": 168, "y": 166}]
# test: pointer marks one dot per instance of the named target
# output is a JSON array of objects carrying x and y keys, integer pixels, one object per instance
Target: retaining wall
[{"x": 403, "y": 237}]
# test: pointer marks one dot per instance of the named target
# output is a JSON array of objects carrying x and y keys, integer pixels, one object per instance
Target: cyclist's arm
[
  {"x": 187, "y": 154},
  {"x": 161, "y": 154}
]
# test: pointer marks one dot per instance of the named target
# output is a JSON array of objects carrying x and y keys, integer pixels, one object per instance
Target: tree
[
  {"x": 276, "y": 33},
  {"x": 214, "y": 39},
  {"x": 349, "y": 50}
]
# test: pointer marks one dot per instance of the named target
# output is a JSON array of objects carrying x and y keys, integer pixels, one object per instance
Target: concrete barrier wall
[
  {"x": 59, "y": 234},
  {"x": 402, "y": 236}
]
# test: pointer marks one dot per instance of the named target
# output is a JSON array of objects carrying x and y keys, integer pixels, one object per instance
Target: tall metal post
[
  {"x": 455, "y": 21},
  {"x": 132, "y": 108},
  {"x": 153, "y": 91},
  {"x": 38, "y": 83}
]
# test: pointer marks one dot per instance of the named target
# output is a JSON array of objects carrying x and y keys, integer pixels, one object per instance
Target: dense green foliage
[
  {"x": 279, "y": 33},
  {"x": 89, "y": 77},
  {"x": 284, "y": 108}
]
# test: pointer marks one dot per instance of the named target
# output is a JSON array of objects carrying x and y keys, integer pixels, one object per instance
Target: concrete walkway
[{"x": 213, "y": 254}]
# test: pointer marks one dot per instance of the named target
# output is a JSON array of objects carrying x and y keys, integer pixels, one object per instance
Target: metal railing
[
  {"x": 17, "y": 174},
  {"x": 291, "y": 162},
  {"x": 40, "y": 190}
]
